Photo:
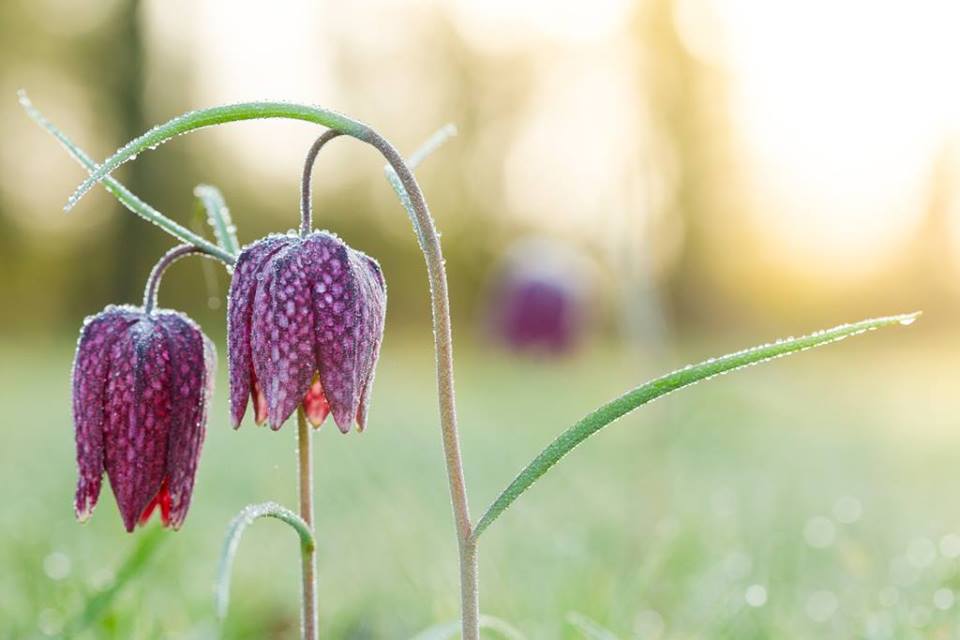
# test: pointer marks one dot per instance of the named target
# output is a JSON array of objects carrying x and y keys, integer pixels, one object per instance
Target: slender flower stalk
[
  {"x": 308, "y": 554},
  {"x": 156, "y": 274},
  {"x": 306, "y": 211}
]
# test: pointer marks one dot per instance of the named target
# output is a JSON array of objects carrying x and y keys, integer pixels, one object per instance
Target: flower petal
[
  {"x": 90, "y": 370},
  {"x": 192, "y": 363},
  {"x": 282, "y": 335},
  {"x": 138, "y": 408},
  {"x": 372, "y": 311},
  {"x": 346, "y": 317},
  {"x": 243, "y": 286}
]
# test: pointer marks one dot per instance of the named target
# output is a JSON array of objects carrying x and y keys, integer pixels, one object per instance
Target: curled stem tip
[{"x": 306, "y": 212}]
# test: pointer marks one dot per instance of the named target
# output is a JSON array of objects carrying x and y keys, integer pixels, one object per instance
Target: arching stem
[
  {"x": 306, "y": 212},
  {"x": 443, "y": 336},
  {"x": 156, "y": 274},
  {"x": 308, "y": 555}
]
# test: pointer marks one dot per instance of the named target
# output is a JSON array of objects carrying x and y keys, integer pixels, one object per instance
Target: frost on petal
[
  {"x": 334, "y": 300},
  {"x": 137, "y": 425},
  {"x": 90, "y": 370},
  {"x": 282, "y": 335},
  {"x": 372, "y": 311},
  {"x": 246, "y": 275},
  {"x": 192, "y": 365}
]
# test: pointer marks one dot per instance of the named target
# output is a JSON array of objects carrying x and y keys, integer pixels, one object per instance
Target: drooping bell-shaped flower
[
  {"x": 539, "y": 298},
  {"x": 305, "y": 322},
  {"x": 141, "y": 383}
]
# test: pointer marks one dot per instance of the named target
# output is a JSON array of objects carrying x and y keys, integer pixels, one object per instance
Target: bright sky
[{"x": 840, "y": 105}]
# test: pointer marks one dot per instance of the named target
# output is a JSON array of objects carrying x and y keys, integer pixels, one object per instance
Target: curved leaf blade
[
  {"x": 126, "y": 197},
  {"x": 663, "y": 385},
  {"x": 218, "y": 216},
  {"x": 232, "y": 541}
]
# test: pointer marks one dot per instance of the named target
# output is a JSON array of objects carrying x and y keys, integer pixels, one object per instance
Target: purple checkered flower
[
  {"x": 305, "y": 322},
  {"x": 141, "y": 383}
]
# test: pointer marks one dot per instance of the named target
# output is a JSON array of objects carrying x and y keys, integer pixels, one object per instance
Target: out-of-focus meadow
[{"x": 732, "y": 172}]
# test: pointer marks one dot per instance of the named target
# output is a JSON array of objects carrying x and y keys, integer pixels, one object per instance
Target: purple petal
[
  {"x": 282, "y": 335},
  {"x": 373, "y": 311},
  {"x": 90, "y": 370},
  {"x": 346, "y": 295},
  {"x": 192, "y": 365},
  {"x": 240, "y": 304},
  {"x": 138, "y": 408}
]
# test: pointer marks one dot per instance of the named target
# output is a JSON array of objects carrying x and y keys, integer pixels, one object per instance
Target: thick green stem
[{"x": 308, "y": 608}]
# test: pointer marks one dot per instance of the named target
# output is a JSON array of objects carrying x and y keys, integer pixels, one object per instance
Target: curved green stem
[
  {"x": 232, "y": 540},
  {"x": 433, "y": 255},
  {"x": 652, "y": 390},
  {"x": 124, "y": 195}
]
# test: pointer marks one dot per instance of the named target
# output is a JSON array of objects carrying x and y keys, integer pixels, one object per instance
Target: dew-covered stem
[
  {"x": 156, "y": 274},
  {"x": 306, "y": 209},
  {"x": 308, "y": 555}
]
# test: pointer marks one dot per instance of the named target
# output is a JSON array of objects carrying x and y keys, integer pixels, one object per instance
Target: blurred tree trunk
[
  {"x": 692, "y": 153},
  {"x": 125, "y": 90}
]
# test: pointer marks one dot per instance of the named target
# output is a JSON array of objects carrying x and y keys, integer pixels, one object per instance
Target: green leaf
[
  {"x": 124, "y": 195},
  {"x": 218, "y": 215},
  {"x": 652, "y": 390},
  {"x": 232, "y": 541},
  {"x": 213, "y": 116},
  {"x": 431, "y": 144}
]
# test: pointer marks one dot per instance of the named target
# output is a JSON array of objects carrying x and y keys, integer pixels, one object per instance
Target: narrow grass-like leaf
[
  {"x": 450, "y": 630},
  {"x": 124, "y": 195},
  {"x": 203, "y": 118},
  {"x": 643, "y": 394},
  {"x": 147, "y": 544},
  {"x": 218, "y": 215},
  {"x": 232, "y": 541},
  {"x": 432, "y": 143}
]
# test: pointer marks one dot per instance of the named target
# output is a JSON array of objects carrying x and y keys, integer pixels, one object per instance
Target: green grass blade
[
  {"x": 147, "y": 544},
  {"x": 643, "y": 394},
  {"x": 120, "y": 192},
  {"x": 218, "y": 215},
  {"x": 213, "y": 116},
  {"x": 232, "y": 541},
  {"x": 431, "y": 144}
]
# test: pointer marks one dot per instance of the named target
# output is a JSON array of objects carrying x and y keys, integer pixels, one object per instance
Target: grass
[{"x": 826, "y": 479}]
